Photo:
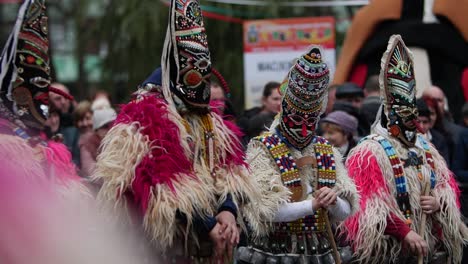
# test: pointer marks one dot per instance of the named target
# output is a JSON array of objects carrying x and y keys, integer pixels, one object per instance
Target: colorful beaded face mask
[
  {"x": 399, "y": 91},
  {"x": 191, "y": 68},
  {"x": 305, "y": 94},
  {"x": 25, "y": 72}
]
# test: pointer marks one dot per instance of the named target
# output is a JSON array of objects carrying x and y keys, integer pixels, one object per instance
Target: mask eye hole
[
  {"x": 202, "y": 64},
  {"x": 311, "y": 121},
  {"x": 298, "y": 120},
  {"x": 40, "y": 82}
]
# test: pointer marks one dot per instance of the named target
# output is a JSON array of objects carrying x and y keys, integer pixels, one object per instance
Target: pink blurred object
[{"x": 40, "y": 225}]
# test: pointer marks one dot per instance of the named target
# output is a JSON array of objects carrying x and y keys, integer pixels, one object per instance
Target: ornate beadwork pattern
[
  {"x": 399, "y": 91},
  {"x": 291, "y": 179},
  {"x": 305, "y": 91},
  {"x": 310, "y": 223},
  {"x": 191, "y": 53},
  {"x": 286, "y": 164},
  {"x": 325, "y": 163},
  {"x": 429, "y": 159}
]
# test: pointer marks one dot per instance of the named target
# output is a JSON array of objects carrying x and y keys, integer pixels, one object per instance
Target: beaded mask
[
  {"x": 25, "y": 71},
  {"x": 187, "y": 46},
  {"x": 398, "y": 89},
  {"x": 305, "y": 95}
]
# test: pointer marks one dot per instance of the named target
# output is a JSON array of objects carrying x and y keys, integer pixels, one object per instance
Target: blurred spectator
[
  {"x": 67, "y": 128},
  {"x": 271, "y": 103},
  {"x": 100, "y": 103},
  {"x": 363, "y": 127},
  {"x": 440, "y": 124},
  {"x": 219, "y": 99},
  {"x": 217, "y": 92},
  {"x": 89, "y": 142},
  {"x": 83, "y": 117},
  {"x": 349, "y": 98},
  {"x": 260, "y": 123},
  {"x": 101, "y": 100},
  {"x": 372, "y": 102},
  {"x": 340, "y": 128},
  {"x": 53, "y": 123},
  {"x": 351, "y": 93},
  {"x": 465, "y": 115},
  {"x": 460, "y": 168},
  {"x": 64, "y": 105},
  {"x": 436, "y": 138},
  {"x": 460, "y": 161},
  {"x": 438, "y": 95}
]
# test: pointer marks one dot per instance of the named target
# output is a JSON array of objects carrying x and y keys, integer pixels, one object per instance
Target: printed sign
[{"x": 271, "y": 46}]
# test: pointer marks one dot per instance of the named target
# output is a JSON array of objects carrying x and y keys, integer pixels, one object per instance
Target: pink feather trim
[
  {"x": 238, "y": 157},
  {"x": 167, "y": 160},
  {"x": 60, "y": 161},
  {"x": 454, "y": 185},
  {"x": 365, "y": 171}
]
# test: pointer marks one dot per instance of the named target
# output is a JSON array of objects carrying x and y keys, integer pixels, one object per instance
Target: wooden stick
[
  {"x": 422, "y": 226},
  {"x": 332, "y": 238}
]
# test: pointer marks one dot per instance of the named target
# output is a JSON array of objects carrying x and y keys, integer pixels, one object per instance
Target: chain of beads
[
  {"x": 399, "y": 176},
  {"x": 311, "y": 223},
  {"x": 208, "y": 142},
  {"x": 429, "y": 159},
  {"x": 284, "y": 160},
  {"x": 325, "y": 163}
]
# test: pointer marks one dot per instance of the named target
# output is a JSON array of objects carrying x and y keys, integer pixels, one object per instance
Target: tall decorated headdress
[
  {"x": 25, "y": 70},
  {"x": 398, "y": 91},
  {"x": 186, "y": 63},
  {"x": 305, "y": 94}
]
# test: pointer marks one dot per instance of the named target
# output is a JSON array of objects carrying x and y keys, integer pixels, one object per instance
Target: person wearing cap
[
  {"x": 90, "y": 141},
  {"x": 349, "y": 98},
  {"x": 351, "y": 93},
  {"x": 340, "y": 128},
  {"x": 372, "y": 102},
  {"x": 409, "y": 198},
  {"x": 301, "y": 177}
]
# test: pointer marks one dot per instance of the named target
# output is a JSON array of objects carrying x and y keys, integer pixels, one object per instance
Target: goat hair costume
[
  {"x": 289, "y": 163},
  {"x": 24, "y": 93},
  {"x": 390, "y": 168},
  {"x": 168, "y": 154}
]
